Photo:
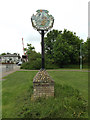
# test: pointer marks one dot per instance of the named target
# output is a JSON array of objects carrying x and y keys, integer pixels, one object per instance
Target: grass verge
[{"x": 67, "y": 103}]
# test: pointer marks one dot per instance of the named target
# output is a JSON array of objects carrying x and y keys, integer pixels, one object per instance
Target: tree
[
  {"x": 29, "y": 51},
  {"x": 3, "y": 54},
  {"x": 75, "y": 42},
  {"x": 85, "y": 47},
  {"x": 62, "y": 47},
  {"x": 34, "y": 58},
  {"x": 62, "y": 51},
  {"x": 8, "y": 53},
  {"x": 15, "y": 53},
  {"x": 49, "y": 44}
]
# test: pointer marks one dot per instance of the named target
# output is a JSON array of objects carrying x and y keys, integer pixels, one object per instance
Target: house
[{"x": 10, "y": 58}]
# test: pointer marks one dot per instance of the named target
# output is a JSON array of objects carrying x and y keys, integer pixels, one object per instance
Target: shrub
[
  {"x": 51, "y": 66},
  {"x": 35, "y": 64}
]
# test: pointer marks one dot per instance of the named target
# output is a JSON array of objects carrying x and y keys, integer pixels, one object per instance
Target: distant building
[{"x": 10, "y": 58}]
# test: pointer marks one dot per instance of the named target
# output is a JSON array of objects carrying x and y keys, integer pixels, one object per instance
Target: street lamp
[{"x": 42, "y": 22}]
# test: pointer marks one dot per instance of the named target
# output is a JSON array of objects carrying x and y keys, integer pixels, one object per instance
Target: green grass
[
  {"x": 15, "y": 87},
  {"x": 68, "y": 102},
  {"x": 76, "y": 79}
]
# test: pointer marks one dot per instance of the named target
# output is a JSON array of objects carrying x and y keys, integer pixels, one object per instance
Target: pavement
[
  {"x": 59, "y": 70},
  {"x": 5, "y": 73}
]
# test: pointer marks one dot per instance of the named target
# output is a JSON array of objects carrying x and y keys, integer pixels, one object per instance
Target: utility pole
[
  {"x": 81, "y": 56},
  {"x": 24, "y": 56},
  {"x": 23, "y": 46}
]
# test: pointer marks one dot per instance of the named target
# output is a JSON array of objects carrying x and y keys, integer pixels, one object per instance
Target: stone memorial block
[{"x": 43, "y": 84}]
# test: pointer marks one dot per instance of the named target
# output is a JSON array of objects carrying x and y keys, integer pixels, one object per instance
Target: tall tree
[
  {"x": 63, "y": 47},
  {"x": 75, "y": 42},
  {"x": 30, "y": 50},
  {"x": 34, "y": 58},
  {"x": 31, "y": 53},
  {"x": 49, "y": 43},
  {"x": 62, "y": 51}
]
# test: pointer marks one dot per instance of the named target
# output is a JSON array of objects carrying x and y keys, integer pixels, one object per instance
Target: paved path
[
  {"x": 5, "y": 73},
  {"x": 57, "y": 70}
]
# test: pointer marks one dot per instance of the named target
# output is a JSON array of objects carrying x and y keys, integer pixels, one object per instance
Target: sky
[{"x": 15, "y": 21}]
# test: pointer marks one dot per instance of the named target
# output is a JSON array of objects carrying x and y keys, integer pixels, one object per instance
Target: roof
[{"x": 10, "y": 55}]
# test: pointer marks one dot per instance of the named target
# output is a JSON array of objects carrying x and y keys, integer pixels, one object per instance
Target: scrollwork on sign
[{"x": 42, "y": 20}]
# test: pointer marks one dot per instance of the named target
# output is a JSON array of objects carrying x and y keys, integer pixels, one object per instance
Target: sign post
[
  {"x": 42, "y": 22},
  {"x": 43, "y": 59},
  {"x": 43, "y": 84}
]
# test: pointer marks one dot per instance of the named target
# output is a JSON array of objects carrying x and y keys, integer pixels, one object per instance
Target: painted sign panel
[{"x": 42, "y": 20}]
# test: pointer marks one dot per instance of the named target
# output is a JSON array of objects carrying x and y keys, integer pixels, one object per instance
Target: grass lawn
[
  {"x": 18, "y": 88},
  {"x": 76, "y": 79}
]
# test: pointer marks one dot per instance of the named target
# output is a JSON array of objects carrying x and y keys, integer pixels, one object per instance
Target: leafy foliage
[
  {"x": 3, "y": 54},
  {"x": 85, "y": 51},
  {"x": 34, "y": 58},
  {"x": 62, "y": 47},
  {"x": 35, "y": 64}
]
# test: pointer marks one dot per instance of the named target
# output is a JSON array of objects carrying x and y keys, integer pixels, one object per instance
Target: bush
[
  {"x": 51, "y": 66},
  {"x": 72, "y": 66},
  {"x": 35, "y": 64}
]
